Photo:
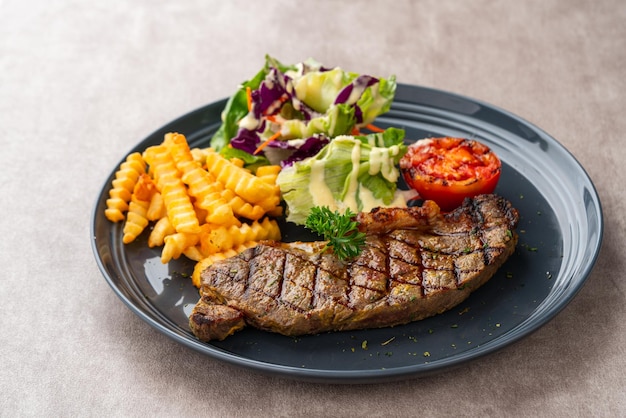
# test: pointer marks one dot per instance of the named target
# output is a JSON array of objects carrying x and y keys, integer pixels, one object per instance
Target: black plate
[{"x": 560, "y": 236}]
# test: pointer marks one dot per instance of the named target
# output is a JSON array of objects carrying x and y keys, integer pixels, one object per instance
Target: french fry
[
  {"x": 156, "y": 210},
  {"x": 220, "y": 239},
  {"x": 177, "y": 200},
  {"x": 193, "y": 253},
  {"x": 268, "y": 173},
  {"x": 240, "y": 207},
  {"x": 179, "y": 208},
  {"x": 201, "y": 185},
  {"x": 276, "y": 212},
  {"x": 207, "y": 191},
  {"x": 161, "y": 229},
  {"x": 122, "y": 186},
  {"x": 162, "y": 167},
  {"x": 238, "y": 162},
  {"x": 242, "y": 182},
  {"x": 199, "y": 154},
  {"x": 176, "y": 243},
  {"x": 203, "y": 206},
  {"x": 145, "y": 188},
  {"x": 178, "y": 147},
  {"x": 136, "y": 220}
]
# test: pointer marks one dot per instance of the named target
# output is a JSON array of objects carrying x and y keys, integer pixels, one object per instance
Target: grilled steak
[{"x": 417, "y": 262}]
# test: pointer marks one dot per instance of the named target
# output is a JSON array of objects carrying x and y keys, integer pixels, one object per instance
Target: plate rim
[{"x": 530, "y": 324}]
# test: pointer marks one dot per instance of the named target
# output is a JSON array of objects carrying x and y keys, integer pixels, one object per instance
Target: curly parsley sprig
[{"x": 340, "y": 230}]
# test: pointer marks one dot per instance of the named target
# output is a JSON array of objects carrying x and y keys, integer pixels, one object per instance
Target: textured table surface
[{"x": 81, "y": 83}]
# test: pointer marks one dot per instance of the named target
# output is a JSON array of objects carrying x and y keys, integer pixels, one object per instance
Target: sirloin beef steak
[{"x": 417, "y": 262}]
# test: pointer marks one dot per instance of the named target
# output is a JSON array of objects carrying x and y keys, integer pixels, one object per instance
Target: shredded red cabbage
[
  {"x": 359, "y": 84},
  {"x": 311, "y": 146},
  {"x": 276, "y": 90}
]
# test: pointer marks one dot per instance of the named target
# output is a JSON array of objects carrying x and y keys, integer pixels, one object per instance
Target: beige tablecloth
[{"x": 81, "y": 83}]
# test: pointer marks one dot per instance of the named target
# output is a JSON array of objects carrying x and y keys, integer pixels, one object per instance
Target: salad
[{"x": 316, "y": 123}]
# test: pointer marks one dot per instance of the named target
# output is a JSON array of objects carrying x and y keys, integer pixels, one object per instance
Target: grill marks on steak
[{"x": 416, "y": 263}]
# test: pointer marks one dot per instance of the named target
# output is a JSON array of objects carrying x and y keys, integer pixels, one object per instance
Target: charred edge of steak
[
  {"x": 212, "y": 319},
  {"x": 426, "y": 267}
]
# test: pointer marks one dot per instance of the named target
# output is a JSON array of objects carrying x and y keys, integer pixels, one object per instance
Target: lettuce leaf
[
  {"x": 355, "y": 172},
  {"x": 300, "y": 101},
  {"x": 237, "y": 105},
  {"x": 318, "y": 90},
  {"x": 338, "y": 120},
  {"x": 377, "y": 99}
]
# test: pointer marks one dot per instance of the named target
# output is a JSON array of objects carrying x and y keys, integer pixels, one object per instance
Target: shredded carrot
[
  {"x": 249, "y": 98},
  {"x": 355, "y": 131},
  {"x": 266, "y": 143},
  {"x": 374, "y": 128}
]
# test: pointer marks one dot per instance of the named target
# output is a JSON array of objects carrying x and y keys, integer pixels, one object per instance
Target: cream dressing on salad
[
  {"x": 321, "y": 193},
  {"x": 249, "y": 122},
  {"x": 353, "y": 178},
  {"x": 379, "y": 162}
]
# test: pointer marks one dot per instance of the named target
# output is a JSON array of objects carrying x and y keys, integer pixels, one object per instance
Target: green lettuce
[
  {"x": 338, "y": 120},
  {"x": 237, "y": 104},
  {"x": 332, "y": 179},
  {"x": 307, "y": 98},
  {"x": 377, "y": 99}
]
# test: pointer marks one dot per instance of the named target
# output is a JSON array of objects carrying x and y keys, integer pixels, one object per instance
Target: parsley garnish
[{"x": 340, "y": 230}]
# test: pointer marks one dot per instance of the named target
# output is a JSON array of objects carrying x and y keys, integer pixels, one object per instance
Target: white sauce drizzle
[
  {"x": 353, "y": 178},
  {"x": 367, "y": 199},
  {"x": 380, "y": 162},
  {"x": 249, "y": 122},
  {"x": 321, "y": 193}
]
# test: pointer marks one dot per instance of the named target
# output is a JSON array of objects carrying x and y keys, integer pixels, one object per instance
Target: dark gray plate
[{"x": 560, "y": 236}]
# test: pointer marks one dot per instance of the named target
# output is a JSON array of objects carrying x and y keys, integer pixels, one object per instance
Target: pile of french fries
[{"x": 200, "y": 204}]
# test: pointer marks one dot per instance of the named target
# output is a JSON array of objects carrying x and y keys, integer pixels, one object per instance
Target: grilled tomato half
[{"x": 447, "y": 170}]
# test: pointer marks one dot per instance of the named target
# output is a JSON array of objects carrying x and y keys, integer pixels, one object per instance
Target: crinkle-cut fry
[
  {"x": 161, "y": 229},
  {"x": 242, "y": 182},
  {"x": 219, "y": 211},
  {"x": 201, "y": 214},
  {"x": 162, "y": 166},
  {"x": 136, "y": 220},
  {"x": 200, "y": 181},
  {"x": 219, "y": 239},
  {"x": 193, "y": 253},
  {"x": 276, "y": 212},
  {"x": 170, "y": 138},
  {"x": 207, "y": 191},
  {"x": 145, "y": 188},
  {"x": 242, "y": 208},
  {"x": 198, "y": 269},
  {"x": 178, "y": 147},
  {"x": 206, "y": 262},
  {"x": 201, "y": 184},
  {"x": 238, "y": 162},
  {"x": 176, "y": 243},
  {"x": 268, "y": 173},
  {"x": 195, "y": 196},
  {"x": 267, "y": 229},
  {"x": 179, "y": 208},
  {"x": 199, "y": 154},
  {"x": 177, "y": 201},
  {"x": 122, "y": 186},
  {"x": 156, "y": 210}
]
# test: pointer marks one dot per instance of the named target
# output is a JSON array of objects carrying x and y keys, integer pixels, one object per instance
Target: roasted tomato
[{"x": 447, "y": 170}]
